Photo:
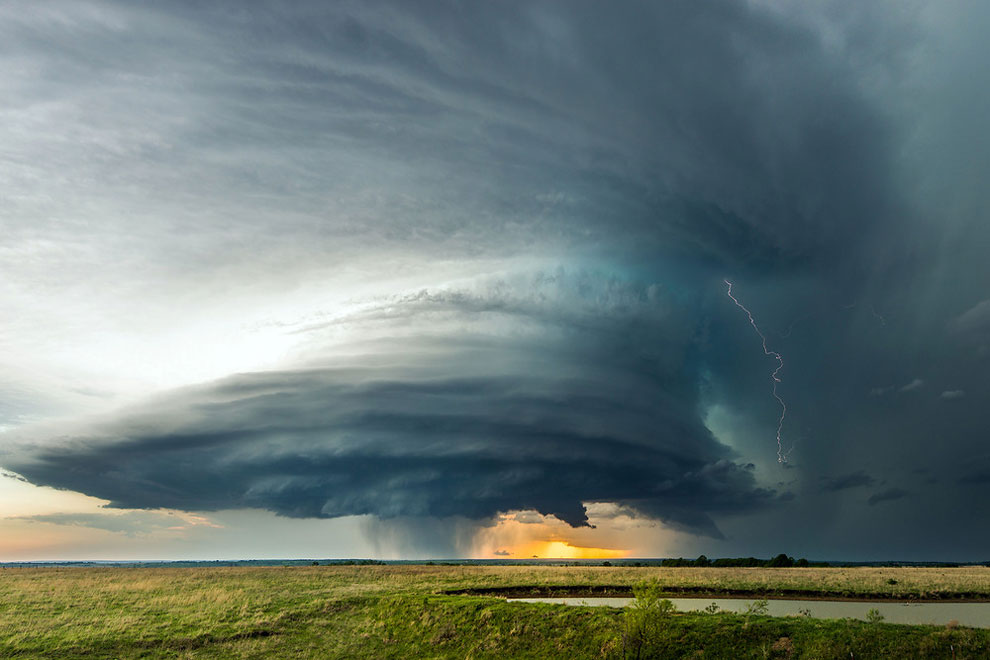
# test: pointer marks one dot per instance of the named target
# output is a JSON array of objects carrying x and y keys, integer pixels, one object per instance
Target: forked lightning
[{"x": 781, "y": 456}]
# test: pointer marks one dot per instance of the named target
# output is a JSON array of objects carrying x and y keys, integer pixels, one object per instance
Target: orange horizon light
[{"x": 564, "y": 550}]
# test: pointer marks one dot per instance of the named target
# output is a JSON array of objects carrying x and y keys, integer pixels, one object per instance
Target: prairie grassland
[
  {"x": 934, "y": 583},
  {"x": 401, "y": 612}
]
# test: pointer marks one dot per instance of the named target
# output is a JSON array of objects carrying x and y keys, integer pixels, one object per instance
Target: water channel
[{"x": 976, "y": 615}]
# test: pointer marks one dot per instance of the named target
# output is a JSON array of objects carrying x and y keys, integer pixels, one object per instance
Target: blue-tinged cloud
[
  {"x": 712, "y": 131},
  {"x": 451, "y": 404},
  {"x": 888, "y": 495},
  {"x": 853, "y": 480},
  {"x": 177, "y": 171}
]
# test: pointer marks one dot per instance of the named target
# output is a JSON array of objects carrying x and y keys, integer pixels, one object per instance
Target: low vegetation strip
[
  {"x": 404, "y": 612},
  {"x": 601, "y": 591},
  {"x": 866, "y": 583}
]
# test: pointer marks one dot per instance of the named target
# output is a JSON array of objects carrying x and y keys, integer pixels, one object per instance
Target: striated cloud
[
  {"x": 129, "y": 523},
  {"x": 493, "y": 404},
  {"x": 853, "y": 480},
  {"x": 887, "y": 496},
  {"x": 435, "y": 261}
]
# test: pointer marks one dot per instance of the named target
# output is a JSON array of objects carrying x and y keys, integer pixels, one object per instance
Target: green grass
[{"x": 401, "y": 612}]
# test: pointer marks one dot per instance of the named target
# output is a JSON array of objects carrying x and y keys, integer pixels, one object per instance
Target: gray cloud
[
  {"x": 974, "y": 322},
  {"x": 450, "y": 420},
  {"x": 913, "y": 386},
  {"x": 949, "y": 395},
  {"x": 887, "y": 496},
  {"x": 179, "y": 172},
  {"x": 853, "y": 480},
  {"x": 129, "y": 523},
  {"x": 978, "y": 478},
  {"x": 378, "y": 122},
  {"x": 528, "y": 517},
  {"x": 880, "y": 391}
]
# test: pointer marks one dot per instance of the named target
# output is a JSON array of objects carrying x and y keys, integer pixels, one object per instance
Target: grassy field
[{"x": 402, "y": 612}]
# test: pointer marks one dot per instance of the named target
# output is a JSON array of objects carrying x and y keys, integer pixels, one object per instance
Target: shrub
[
  {"x": 646, "y": 621},
  {"x": 758, "y": 608}
]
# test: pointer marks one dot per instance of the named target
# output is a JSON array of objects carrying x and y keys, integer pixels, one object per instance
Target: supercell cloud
[
  {"x": 446, "y": 261},
  {"x": 451, "y": 404}
]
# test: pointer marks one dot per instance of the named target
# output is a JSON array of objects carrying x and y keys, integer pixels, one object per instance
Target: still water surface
[{"x": 976, "y": 615}]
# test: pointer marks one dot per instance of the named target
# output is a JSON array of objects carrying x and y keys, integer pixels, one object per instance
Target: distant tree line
[{"x": 780, "y": 561}]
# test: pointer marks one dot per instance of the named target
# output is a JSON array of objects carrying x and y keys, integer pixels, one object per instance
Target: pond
[{"x": 976, "y": 615}]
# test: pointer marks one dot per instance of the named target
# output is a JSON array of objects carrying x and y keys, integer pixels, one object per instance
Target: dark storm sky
[{"x": 439, "y": 261}]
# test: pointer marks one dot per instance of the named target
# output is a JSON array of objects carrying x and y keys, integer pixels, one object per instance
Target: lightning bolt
[{"x": 781, "y": 456}]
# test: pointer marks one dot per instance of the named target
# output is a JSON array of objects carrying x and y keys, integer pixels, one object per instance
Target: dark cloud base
[
  {"x": 536, "y": 419},
  {"x": 313, "y": 449}
]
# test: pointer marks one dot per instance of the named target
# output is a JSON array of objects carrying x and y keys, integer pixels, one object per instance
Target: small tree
[
  {"x": 645, "y": 621},
  {"x": 758, "y": 608},
  {"x": 874, "y": 616}
]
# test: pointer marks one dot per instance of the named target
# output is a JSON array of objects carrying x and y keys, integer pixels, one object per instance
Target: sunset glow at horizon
[{"x": 564, "y": 550}]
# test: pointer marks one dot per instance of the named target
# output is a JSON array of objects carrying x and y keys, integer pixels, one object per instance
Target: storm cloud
[
  {"x": 589, "y": 396},
  {"x": 854, "y": 480},
  {"x": 438, "y": 262},
  {"x": 887, "y": 496}
]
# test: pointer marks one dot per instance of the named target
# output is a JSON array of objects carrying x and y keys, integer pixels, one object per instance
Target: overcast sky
[{"x": 446, "y": 279}]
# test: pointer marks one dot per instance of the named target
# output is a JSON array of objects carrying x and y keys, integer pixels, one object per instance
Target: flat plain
[{"x": 412, "y": 611}]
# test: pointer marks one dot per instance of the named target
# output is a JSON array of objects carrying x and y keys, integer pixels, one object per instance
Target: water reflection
[{"x": 976, "y": 615}]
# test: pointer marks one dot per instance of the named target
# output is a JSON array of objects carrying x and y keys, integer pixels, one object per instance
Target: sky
[{"x": 451, "y": 279}]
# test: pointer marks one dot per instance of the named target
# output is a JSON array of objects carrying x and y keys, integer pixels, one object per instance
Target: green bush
[
  {"x": 646, "y": 621},
  {"x": 758, "y": 608}
]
